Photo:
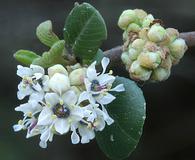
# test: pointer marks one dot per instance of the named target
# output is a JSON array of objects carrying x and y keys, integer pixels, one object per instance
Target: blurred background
[{"x": 169, "y": 131}]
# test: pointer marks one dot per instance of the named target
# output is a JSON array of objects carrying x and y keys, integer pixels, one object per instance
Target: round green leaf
[
  {"x": 84, "y": 31},
  {"x": 128, "y": 111}
]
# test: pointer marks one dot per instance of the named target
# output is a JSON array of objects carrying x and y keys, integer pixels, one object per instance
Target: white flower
[
  {"x": 33, "y": 83},
  {"x": 98, "y": 85},
  {"x": 46, "y": 135},
  {"x": 60, "y": 112}
]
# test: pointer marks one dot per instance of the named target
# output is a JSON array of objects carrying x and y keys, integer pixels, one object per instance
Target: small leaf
[
  {"x": 53, "y": 56},
  {"x": 84, "y": 31},
  {"x": 128, "y": 111},
  {"x": 26, "y": 57},
  {"x": 45, "y": 34}
]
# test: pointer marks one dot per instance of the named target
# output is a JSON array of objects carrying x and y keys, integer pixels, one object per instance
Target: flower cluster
[
  {"x": 65, "y": 99},
  {"x": 150, "y": 50}
]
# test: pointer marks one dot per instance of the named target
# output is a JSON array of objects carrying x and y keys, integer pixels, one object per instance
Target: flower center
[
  {"x": 60, "y": 111},
  {"x": 95, "y": 86}
]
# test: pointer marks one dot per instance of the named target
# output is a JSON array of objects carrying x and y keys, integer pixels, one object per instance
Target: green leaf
[
  {"x": 98, "y": 57},
  {"x": 26, "y": 57},
  {"x": 128, "y": 111},
  {"x": 84, "y": 31},
  {"x": 45, "y": 34},
  {"x": 53, "y": 56}
]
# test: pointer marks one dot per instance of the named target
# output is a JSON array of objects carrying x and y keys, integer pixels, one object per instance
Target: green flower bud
[
  {"x": 147, "y": 20},
  {"x": 166, "y": 63},
  {"x": 143, "y": 34},
  {"x": 133, "y": 27},
  {"x": 127, "y": 17},
  {"x": 137, "y": 72},
  {"x": 138, "y": 44},
  {"x": 178, "y": 48},
  {"x": 150, "y": 60},
  {"x": 133, "y": 54},
  {"x": 125, "y": 36},
  {"x": 157, "y": 33},
  {"x": 172, "y": 33},
  {"x": 77, "y": 76},
  {"x": 58, "y": 68},
  {"x": 125, "y": 57},
  {"x": 141, "y": 14},
  {"x": 160, "y": 74}
]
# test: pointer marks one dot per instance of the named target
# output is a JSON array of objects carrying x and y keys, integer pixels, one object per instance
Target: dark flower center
[
  {"x": 60, "y": 111},
  {"x": 95, "y": 86}
]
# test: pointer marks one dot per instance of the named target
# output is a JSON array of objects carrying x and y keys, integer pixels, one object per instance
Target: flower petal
[
  {"x": 62, "y": 126},
  {"x": 17, "y": 127},
  {"x": 75, "y": 137},
  {"x": 106, "y": 79},
  {"x": 105, "y": 99},
  {"x": 37, "y": 69},
  {"x": 118, "y": 88},
  {"x": 23, "y": 71},
  {"x": 105, "y": 61},
  {"x": 69, "y": 97},
  {"x": 91, "y": 72},
  {"x": 51, "y": 99},
  {"x": 45, "y": 117}
]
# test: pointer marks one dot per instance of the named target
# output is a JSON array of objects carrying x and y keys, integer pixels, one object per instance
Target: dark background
[{"x": 169, "y": 132}]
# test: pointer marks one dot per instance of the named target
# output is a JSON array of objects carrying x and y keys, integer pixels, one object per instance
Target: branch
[{"x": 114, "y": 54}]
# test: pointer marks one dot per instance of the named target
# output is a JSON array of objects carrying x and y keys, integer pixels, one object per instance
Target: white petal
[
  {"x": 37, "y": 87},
  {"x": 105, "y": 61},
  {"x": 62, "y": 126},
  {"x": 17, "y": 127},
  {"x": 119, "y": 88},
  {"x": 106, "y": 99},
  {"x": 45, "y": 117},
  {"x": 70, "y": 97},
  {"x": 23, "y": 71},
  {"x": 38, "y": 97},
  {"x": 51, "y": 99},
  {"x": 38, "y": 76},
  {"x": 91, "y": 72},
  {"x": 75, "y": 138},
  {"x": 106, "y": 79},
  {"x": 87, "y": 85},
  {"x": 86, "y": 134},
  {"x": 100, "y": 124},
  {"x": 25, "y": 108},
  {"x": 77, "y": 114},
  {"x": 107, "y": 118},
  {"x": 37, "y": 69},
  {"x": 82, "y": 97},
  {"x": 43, "y": 144}
]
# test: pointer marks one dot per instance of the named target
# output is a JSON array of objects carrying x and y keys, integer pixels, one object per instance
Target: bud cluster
[
  {"x": 149, "y": 49},
  {"x": 64, "y": 99}
]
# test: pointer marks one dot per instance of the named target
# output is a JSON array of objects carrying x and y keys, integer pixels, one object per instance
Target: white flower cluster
[{"x": 67, "y": 99}]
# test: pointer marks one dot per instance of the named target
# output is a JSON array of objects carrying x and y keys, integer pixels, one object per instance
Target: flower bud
[
  {"x": 143, "y": 34},
  {"x": 150, "y": 60},
  {"x": 166, "y": 63},
  {"x": 172, "y": 33},
  {"x": 141, "y": 14},
  {"x": 58, "y": 68},
  {"x": 157, "y": 33},
  {"x": 127, "y": 17},
  {"x": 178, "y": 48},
  {"x": 151, "y": 47},
  {"x": 126, "y": 60},
  {"x": 160, "y": 74},
  {"x": 125, "y": 36},
  {"x": 138, "y": 44},
  {"x": 76, "y": 90},
  {"x": 138, "y": 72},
  {"x": 133, "y": 27},
  {"x": 59, "y": 83},
  {"x": 147, "y": 20},
  {"x": 133, "y": 54},
  {"x": 77, "y": 76}
]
